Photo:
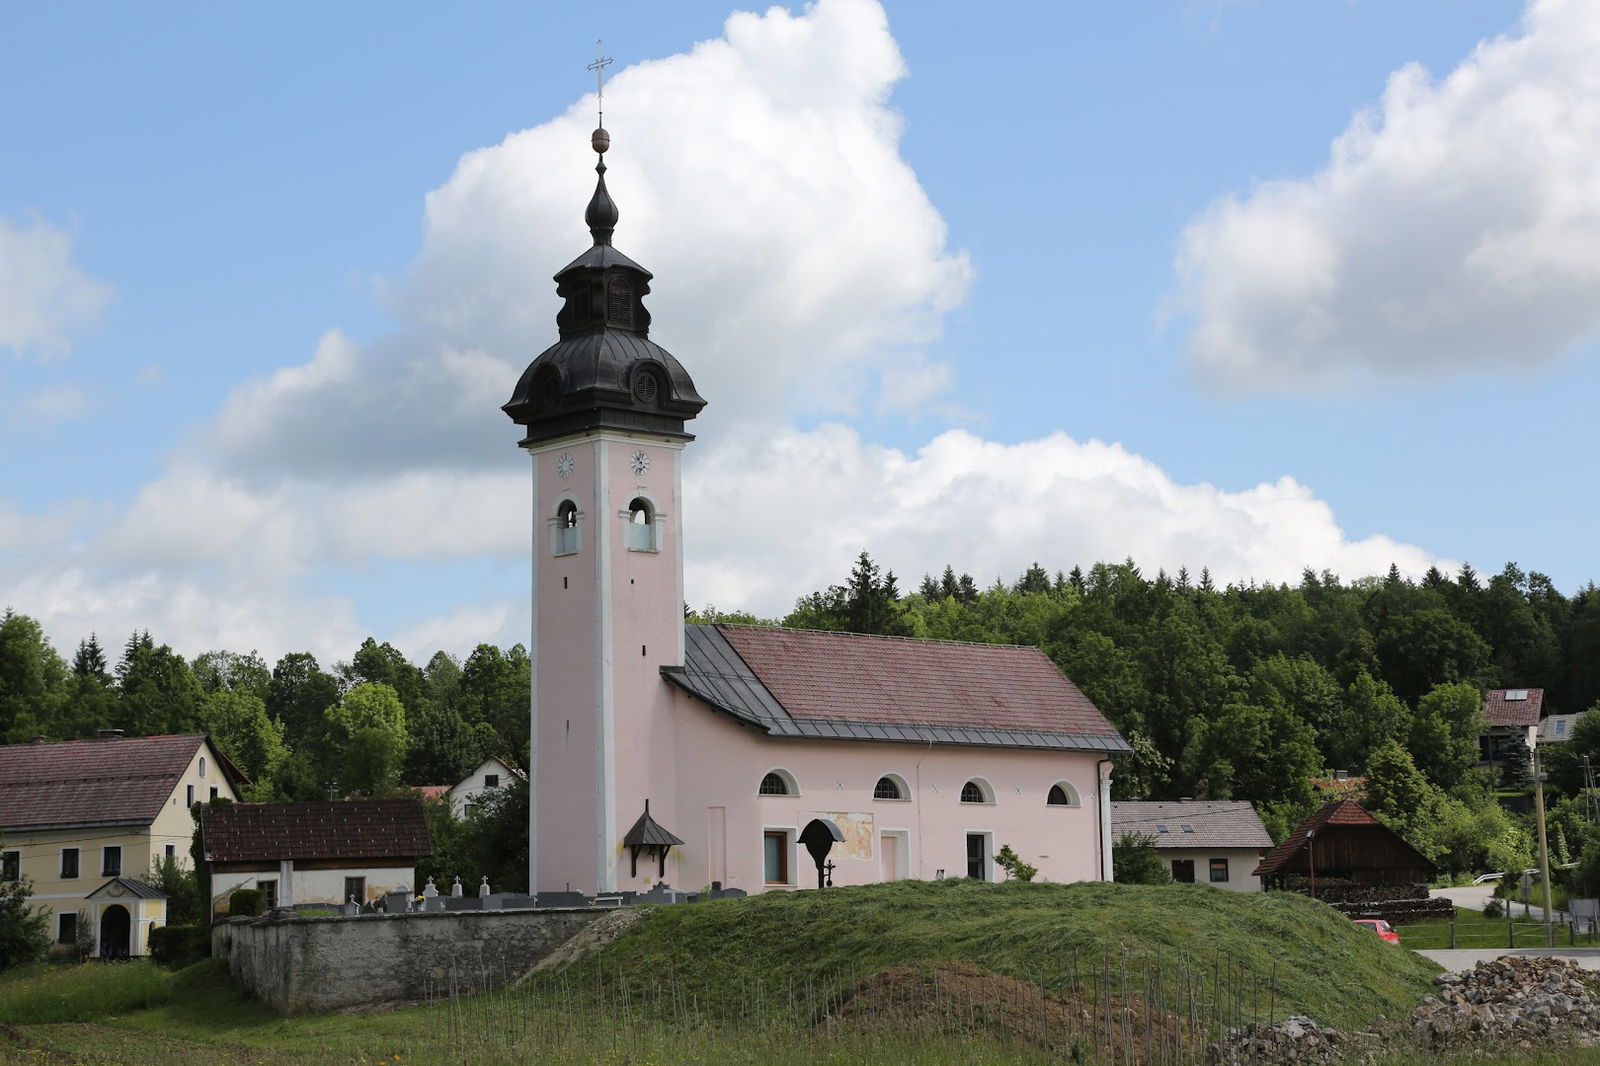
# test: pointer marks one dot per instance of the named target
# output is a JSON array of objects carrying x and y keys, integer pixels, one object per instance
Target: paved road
[{"x": 1467, "y": 958}]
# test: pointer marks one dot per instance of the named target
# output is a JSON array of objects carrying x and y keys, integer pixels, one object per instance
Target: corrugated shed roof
[
  {"x": 114, "y": 781},
  {"x": 1192, "y": 823},
  {"x": 852, "y": 687},
  {"x": 1500, "y": 708},
  {"x": 357, "y": 829}
]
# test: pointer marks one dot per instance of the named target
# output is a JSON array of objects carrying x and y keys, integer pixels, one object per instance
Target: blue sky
[{"x": 961, "y": 286}]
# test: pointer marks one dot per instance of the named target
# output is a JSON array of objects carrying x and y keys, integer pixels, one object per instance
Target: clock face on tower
[
  {"x": 564, "y": 464},
  {"x": 641, "y": 462}
]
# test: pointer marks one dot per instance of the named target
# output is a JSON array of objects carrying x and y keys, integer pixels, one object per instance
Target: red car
[{"x": 1381, "y": 927}]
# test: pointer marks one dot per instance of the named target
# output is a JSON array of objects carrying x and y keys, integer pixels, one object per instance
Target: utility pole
[{"x": 1544, "y": 850}]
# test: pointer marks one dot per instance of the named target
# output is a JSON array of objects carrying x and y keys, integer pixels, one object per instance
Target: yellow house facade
[{"x": 84, "y": 821}]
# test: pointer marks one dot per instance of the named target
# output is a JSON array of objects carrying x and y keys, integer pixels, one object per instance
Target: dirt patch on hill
[
  {"x": 963, "y": 997},
  {"x": 597, "y": 934}
]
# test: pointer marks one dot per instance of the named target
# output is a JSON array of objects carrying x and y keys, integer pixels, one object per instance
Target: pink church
[{"x": 753, "y": 757}]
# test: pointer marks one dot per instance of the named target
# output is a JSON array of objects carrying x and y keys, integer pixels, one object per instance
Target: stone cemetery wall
[{"x": 307, "y": 965}]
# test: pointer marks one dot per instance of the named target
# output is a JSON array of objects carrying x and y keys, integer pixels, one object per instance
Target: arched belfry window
[
  {"x": 889, "y": 787},
  {"x": 1062, "y": 794},
  {"x": 564, "y": 539},
  {"x": 777, "y": 783},
  {"x": 641, "y": 525},
  {"x": 975, "y": 792}
]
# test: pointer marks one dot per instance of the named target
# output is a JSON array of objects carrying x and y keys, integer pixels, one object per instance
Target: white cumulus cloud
[
  {"x": 799, "y": 262},
  {"x": 1455, "y": 229},
  {"x": 770, "y": 518},
  {"x": 44, "y": 296}
]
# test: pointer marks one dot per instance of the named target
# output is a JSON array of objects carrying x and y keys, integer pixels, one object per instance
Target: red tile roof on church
[
  {"x": 849, "y": 677},
  {"x": 1513, "y": 706},
  {"x": 354, "y": 829},
  {"x": 110, "y": 781},
  {"x": 1339, "y": 812}
]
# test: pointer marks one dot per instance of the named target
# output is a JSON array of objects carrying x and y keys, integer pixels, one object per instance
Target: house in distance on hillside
[
  {"x": 750, "y": 758},
  {"x": 1510, "y": 724}
]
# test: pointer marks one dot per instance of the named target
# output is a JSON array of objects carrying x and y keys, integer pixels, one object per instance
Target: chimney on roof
[
  {"x": 37, "y": 739},
  {"x": 109, "y": 734},
  {"x": 1341, "y": 775}
]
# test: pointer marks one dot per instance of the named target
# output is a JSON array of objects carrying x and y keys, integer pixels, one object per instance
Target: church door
[{"x": 115, "y": 930}]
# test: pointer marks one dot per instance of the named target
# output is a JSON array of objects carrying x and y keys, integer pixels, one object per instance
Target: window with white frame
[
  {"x": 111, "y": 860},
  {"x": 775, "y": 864},
  {"x": 974, "y": 791},
  {"x": 777, "y": 783},
  {"x": 564, "y": 530},
  {"x": 69, "y": 863},
  {"x": 641, "y": 529},
  {"x": 10, "y": 865},
  {"x": 889, "y": 787},
  {"x": 1062, "y": 794}
]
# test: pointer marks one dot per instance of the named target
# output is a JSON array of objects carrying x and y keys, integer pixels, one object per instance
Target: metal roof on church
[{"x": 850, "y": 686}]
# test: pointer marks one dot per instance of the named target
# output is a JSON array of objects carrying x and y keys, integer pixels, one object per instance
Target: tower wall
[{"x": 607, "y": 616}]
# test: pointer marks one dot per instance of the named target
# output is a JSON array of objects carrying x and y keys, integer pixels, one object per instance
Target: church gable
[{"x": 855, "y": 687}]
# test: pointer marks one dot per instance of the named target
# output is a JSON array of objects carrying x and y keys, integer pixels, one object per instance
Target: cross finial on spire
[{"x": 601, "y": 62}]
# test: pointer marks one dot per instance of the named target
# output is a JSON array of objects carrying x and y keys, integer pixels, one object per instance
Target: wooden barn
[{"x": 1340, "y": 850}]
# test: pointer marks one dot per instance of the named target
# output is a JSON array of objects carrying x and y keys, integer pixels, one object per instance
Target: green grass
[
  {"x": 1473, "y": 930},
  {"x": 760, "y": 981},
  {"x": 78, "y": 993}
]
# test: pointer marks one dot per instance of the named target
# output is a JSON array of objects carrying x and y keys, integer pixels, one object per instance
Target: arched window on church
[
  {"x": 777, "y": 783},
  {"x": 565, "y": 540},
  {"x": 975, "y": 792},
  {"x": 1062, "y": 794},
  {"x": 641, "y": 525},
  {"x": 889, "y": 787}
]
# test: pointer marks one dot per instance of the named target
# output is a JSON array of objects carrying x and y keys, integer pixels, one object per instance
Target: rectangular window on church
[{"x": 775, "y": 843}]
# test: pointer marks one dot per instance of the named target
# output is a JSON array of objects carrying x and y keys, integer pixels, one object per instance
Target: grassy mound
[{"x": 1299, "y": 955}]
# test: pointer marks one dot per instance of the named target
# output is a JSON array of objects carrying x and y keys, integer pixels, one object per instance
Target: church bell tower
[{"x": 604, "y": 410}]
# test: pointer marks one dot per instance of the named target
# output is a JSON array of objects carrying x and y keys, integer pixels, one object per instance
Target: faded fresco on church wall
[{"x": 858, "y": 835}]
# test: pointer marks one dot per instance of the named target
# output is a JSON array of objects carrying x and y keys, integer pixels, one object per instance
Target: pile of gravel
[
  {"x": 1519, "y": 1000},
  {"x": 1293, "y": 1040}
]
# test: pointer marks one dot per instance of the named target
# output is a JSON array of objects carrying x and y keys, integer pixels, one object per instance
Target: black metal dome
[{"x": 604, "y": 372}]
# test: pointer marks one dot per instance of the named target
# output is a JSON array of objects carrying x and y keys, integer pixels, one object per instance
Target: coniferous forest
[{"x": 1254, "y": 692}]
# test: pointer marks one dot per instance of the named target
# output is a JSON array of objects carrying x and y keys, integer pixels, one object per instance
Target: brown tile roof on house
[
  {"x": 1513, "y": 706},
  {"x": 849, "y": 677},
  {"x": 356, "y": 829},
  {"x": 1192, "y": 823},
  {"x": 111, "y": 781},
  {"x": 1340, "y": 813}
]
